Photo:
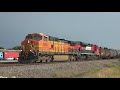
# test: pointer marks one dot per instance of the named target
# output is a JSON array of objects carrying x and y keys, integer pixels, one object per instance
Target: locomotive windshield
[
  {"x": 37, "y": 37},
  {"x": 29, "y": 37}
]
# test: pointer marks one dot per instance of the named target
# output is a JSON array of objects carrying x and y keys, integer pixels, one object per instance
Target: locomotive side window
[
  {"x": 45, "y": 38},
  {"x": 37, "y": 37}
]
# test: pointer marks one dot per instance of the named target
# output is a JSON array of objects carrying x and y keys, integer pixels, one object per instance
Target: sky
[{"x": 101, "y": 28}]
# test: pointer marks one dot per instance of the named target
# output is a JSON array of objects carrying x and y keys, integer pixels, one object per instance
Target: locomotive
[{"x": 39, "y": 47}]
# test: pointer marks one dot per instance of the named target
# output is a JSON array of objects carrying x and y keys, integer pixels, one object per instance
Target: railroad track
[{"x": 7, "y": 64}]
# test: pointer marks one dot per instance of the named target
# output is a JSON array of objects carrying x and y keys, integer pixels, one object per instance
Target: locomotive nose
[{"x": 28, "y": 45}]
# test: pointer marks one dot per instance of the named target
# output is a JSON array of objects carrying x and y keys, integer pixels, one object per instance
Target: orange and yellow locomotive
[{"x": 41, "y": 47}]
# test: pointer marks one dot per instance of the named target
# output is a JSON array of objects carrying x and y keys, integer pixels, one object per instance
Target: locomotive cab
[{"x": 32, "y": 44}]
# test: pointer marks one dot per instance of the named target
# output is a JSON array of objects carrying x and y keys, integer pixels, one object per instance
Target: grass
[
  {"x": 66, "y": 74},
  {"x": 108, "y": 71}
]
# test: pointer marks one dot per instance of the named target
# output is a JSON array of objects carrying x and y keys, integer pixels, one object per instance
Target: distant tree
[
  {"x": 1, "y": 47},
  {"x": 9, "y": 49},
  {"x": 16, "y": 48}
]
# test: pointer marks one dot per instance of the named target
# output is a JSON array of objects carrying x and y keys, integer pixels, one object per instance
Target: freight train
[
  {"x": 39, "y": 47},
  {"x": 9, "y": 54}
]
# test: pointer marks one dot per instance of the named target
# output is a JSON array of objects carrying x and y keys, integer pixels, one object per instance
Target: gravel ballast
[{"x": 53, "y": 70}]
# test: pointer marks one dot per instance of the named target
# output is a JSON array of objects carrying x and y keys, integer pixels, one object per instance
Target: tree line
[{"x": 14, "y": 48}]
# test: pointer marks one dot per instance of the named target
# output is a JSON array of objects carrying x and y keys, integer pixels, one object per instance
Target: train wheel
[
  {"x": 70, "y": 58},
  {"x": 47, "y": 59},
  {"x": 40, "y": 61},
  {"x": 42, "y": 58},
  {"x": 73, "y": 58},
  {"x": 51, "y": 58}
]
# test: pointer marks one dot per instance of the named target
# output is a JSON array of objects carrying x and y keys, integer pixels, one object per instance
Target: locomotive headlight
[{"x": 28, "y": 41}]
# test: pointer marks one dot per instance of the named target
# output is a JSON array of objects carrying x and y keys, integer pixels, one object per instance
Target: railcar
[
  {"x": 9, "y": 54},
  {"x": 1, "y": 55}
]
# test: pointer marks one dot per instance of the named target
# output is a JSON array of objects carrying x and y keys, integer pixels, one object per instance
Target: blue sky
[{"x": 102, "y": 28}]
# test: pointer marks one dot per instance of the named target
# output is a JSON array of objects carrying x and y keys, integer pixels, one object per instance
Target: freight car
[
  {"x": 38, "y": 47},
  {"x": 4, "y": 55},
  {"x": 1, "y": 55},
  {"x": 11, "y": 55},
  {"x": 109, "y": 53}
]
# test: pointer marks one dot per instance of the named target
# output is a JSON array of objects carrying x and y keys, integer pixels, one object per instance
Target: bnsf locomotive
[{"x": 38, "y": 47}]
